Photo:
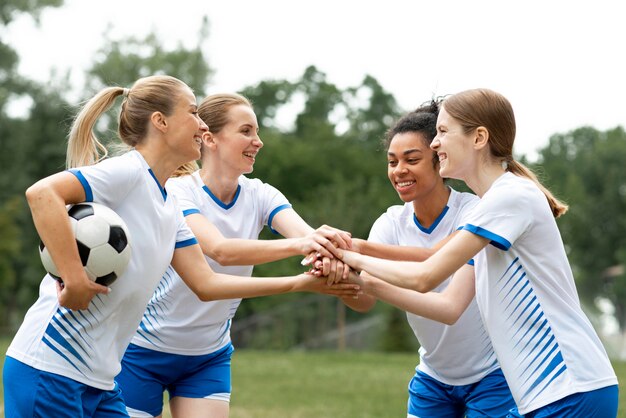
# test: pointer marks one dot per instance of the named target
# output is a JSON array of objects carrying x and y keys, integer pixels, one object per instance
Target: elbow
[
  {"x": 33, "y": 193},
  {"x": 450, "y": 320},
  {"x": 204, "y": 294},
  {"x": 452, "y": 315},
  {"x": 425, "y": 283},
  {"x": 362, "y": 308},
  {"x": 422, "y": 286},
  {"x": 204, "y": 297},
  {"x": 223, "y": 258}
]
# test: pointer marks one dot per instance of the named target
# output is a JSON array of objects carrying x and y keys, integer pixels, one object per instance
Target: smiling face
[
  {"x": 453, "y": 147},
  {"x": 186, "y": 127},
  {"x": 410, "y": 166},
  {"x": 238, "y": 142}
]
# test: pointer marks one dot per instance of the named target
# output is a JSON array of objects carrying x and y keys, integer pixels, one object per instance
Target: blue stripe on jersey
[
  {"x": 55, "y": 335},
  {"x": 151, "y": 315},
  {"x": 56, "y": 350},
  {"x": 434, "y": 225},
  {"x": 69, "y": 323},
  {"x": 85, "y": 318},
  {"x": 143, "y": 326},
  {"x": 226, "y": 328},
  {"x": 190, "y": 212},
  {"x": 495, "y": 240},
  {"x": 85, "y": 183},
  {"x": 186, "y": 243},
  {"x": 60, "y": 325},
  {"x": 161, "y": 189},
  {"x": 273, "y": 213},
  {"x": 219, "y": 202},
  {"x": 539, "y": 359}
]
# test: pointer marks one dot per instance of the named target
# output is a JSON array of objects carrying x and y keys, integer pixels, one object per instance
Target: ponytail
[
  {"x": 186, "y": 169},
  {"x": 557, "y": 207},
  {"x": 83, "y": 148}
]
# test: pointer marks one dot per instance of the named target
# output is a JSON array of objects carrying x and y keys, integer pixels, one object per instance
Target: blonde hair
[
  {"x": 214, "y": 112},
  {"x": 148, "y": 95},
  {"x": 491, "y": 110}
]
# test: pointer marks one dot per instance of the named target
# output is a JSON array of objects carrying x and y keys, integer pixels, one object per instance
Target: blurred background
[{"x": 325, "y": 85}]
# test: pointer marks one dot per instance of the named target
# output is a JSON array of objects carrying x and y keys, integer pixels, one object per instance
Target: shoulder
[
  {"x": 396, "y": 214},
  {"x": 258, "y": 188},
  {"x": 117, "y": 171},
  {"x": 462, "y": 200},
  {"x": 253, "y": 183},
  {"x": 512, "y": 188},
  {"x": 399, "y": 211}
]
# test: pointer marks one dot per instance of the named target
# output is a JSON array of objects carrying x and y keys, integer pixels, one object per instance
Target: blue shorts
[
  {"x": 29, "y": 392},
  {"x": 147, "y": 374},
  {"x": 489, "y": 397},
  {"x": 599, "y": 403}
]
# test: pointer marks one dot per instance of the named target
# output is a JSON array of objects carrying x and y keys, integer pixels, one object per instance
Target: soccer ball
[{"x": 103, "y": 243}]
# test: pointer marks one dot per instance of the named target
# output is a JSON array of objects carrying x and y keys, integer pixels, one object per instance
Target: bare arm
[
  {"x": 47, "y": 200},
  {"x": 209, "y": 285},
  {"x": 446, "y": 307},
  {"x": 301, "y": 240},
  {"x": 397, "y": 252},
  {"x": 421, "y": 276},
  {"x": 364, "y": 302},
  {"x": 392, "y": 252}
]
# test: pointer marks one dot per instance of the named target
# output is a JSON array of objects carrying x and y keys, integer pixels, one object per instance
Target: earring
[{"x": 504, "y": 165}]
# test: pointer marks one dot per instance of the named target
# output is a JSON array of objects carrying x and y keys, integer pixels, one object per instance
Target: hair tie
[{"x": 125, "y": 92}]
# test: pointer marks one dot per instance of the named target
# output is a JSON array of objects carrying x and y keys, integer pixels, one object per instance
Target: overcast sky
[{"x": 561, "y": 63}]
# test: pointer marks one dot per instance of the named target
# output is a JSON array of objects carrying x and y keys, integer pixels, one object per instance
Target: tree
[
  {"x": 33, "y": 132},
  {"x": 121, "y": 62},
  {"x": 585, "y": 168}
]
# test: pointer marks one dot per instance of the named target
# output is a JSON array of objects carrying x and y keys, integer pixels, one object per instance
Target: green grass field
[{"x": 323, "y": 384}]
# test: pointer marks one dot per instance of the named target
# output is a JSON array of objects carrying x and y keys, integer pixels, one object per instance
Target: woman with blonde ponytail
[
  {"x": 551, "y": 356},
  {"x": 63, "y": 360}
]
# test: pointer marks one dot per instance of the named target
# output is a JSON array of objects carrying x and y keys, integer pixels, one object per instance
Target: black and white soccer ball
[{"x": 103, "y": 243}]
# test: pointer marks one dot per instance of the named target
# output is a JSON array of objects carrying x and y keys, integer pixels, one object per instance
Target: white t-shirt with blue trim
[
  {"x": 88, "y": 345},
  {"x": 458, "y": 354},
  {"x": 525, "y": 290},
  {"x": 176, "y": 321}
]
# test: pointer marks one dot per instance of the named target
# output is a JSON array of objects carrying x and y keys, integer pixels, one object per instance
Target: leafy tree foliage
[
  {"x": 585, "y": 168},
  {"x": 121, "y": 62},
  {"x": 30, "y": 146},
  {"x": 11, "y": 8}
]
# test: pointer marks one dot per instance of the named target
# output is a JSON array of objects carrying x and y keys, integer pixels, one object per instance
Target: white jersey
[
  {"x": 458, "y": 354},
  {"x": 176, "y": 321},
  {"x": 88, "y": 345},
  {"x": 527, "y": 297}
]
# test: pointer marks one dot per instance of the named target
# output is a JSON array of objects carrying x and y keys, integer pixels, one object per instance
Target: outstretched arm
[
  {"x": 301, "y": 240},
  {"x": 209, "y": 285},
  {"x": 446, "y": 307},
  {"x": 424, "y": 276}
]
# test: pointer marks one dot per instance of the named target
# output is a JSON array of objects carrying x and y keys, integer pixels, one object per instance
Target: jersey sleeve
[
  {"x": 383, "y": 231},
  {"x": 186, "y": 197},
  {"x": 184, "y": 235},
  {"x": 500, "y": 217},
  {"x": 272, "y": 201},
  {"x": 107, "y": 182}
]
